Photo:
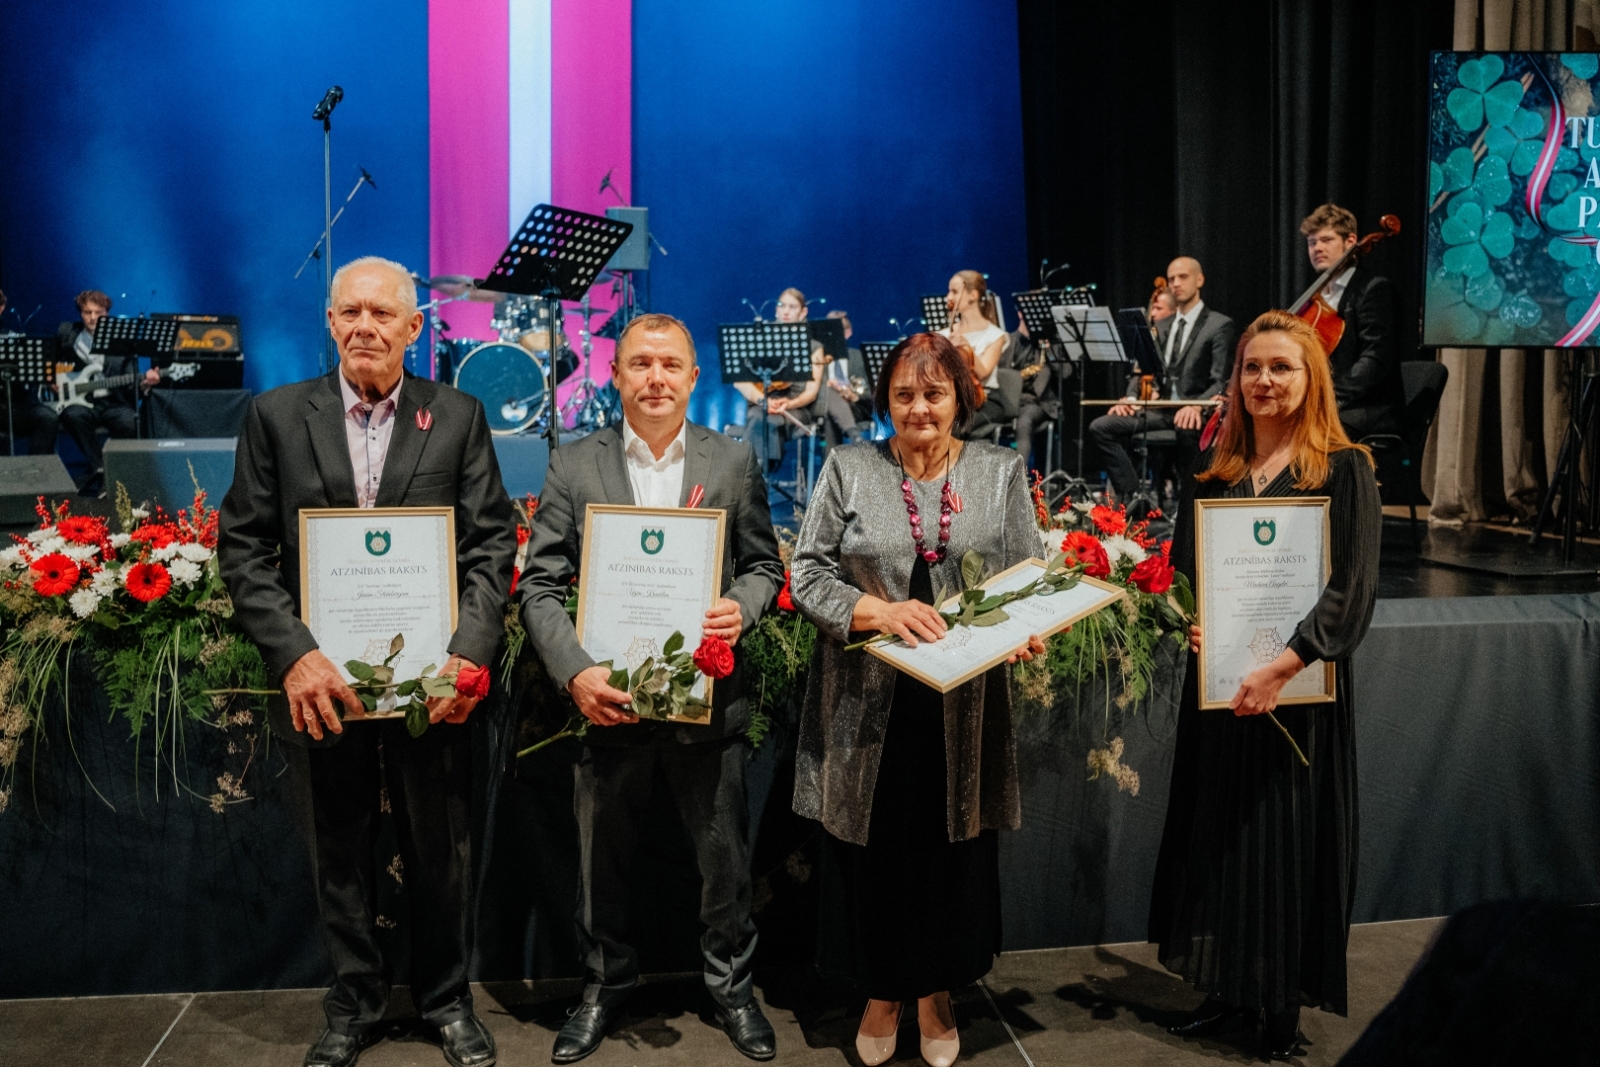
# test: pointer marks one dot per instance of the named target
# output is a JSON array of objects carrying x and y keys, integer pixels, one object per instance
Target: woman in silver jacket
[{"x": 911, "y": 786}]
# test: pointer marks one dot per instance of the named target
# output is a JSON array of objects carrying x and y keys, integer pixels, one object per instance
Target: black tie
[{"x": 1177, "y": 343}]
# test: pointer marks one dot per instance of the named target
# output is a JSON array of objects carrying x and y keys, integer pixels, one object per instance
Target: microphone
[
  {"x": 330, "y": 100},
  {"x": 605, "y": 183},
  {"x": 368, "y": 178},
  {"x": 753, "y": 308}
]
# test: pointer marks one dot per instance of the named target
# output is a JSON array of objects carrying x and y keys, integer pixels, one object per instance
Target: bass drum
[{"x": 509, "y": 381}]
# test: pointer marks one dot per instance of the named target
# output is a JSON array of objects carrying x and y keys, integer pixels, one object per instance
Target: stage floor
[{"x": 1106, "y": 1005}]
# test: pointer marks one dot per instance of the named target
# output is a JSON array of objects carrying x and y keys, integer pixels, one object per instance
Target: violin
[{"x": 1315, "y": 310}]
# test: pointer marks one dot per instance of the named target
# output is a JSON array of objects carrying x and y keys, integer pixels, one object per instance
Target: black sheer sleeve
[{"x": 1339, "y": 621}]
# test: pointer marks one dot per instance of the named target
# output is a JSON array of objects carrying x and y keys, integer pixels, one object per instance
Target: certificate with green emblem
[
  {"x": 647, "y": 572},
  {"x": 367, "y": 574},
  {"x": 1260, "y": 567}
]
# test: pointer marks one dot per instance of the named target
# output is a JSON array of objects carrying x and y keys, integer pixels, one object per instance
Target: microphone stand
[{"x": 327, "y": 233}]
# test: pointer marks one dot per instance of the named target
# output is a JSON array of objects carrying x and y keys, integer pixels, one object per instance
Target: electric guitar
[{"x": 82, "y": 387}]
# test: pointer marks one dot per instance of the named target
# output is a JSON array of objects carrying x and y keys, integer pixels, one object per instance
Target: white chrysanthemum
[
  {"x": 166, "y": 552},
  {"x": 1051, "y": 541},
  {"x": 12, "y": 559},
  {"x": 84, "y": 602},
  {"x": 105, "y": 581},
  {"x": 79, "y": 553},
  {"x": 184, "y": 572},
  {"x": 1120, "y": 548},
  {"x": 41, "y": 535},
  {"x": 141, "y": 513},
  {"x": 1083, "y": 507},
  {"x": 196, "y": 553},
  {"x": 50, "y": 543},
  {"x": 118, "y": 540}
]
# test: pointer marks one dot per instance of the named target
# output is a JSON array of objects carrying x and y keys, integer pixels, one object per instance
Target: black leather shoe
[
  {"x": 1280, "y": 1035},
  {"x": 467, "y": 1043},
  {"x": 337, "y": 1050},
  {"x": 584, "y": 1029},
  {"x": 749, "y": 1030},
  {"x": 1209, "y": 1018}
]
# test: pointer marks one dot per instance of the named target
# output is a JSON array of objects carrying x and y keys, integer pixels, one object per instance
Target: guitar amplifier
[
  {"x": 23, "y": 479},
  {"x": 215, "y": 343},
  {"x": 158, "y": 472}
]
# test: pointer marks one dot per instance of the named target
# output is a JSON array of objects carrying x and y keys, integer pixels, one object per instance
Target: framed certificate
[
  {"x": 367, "y": 574},
  {"x": 1260, "y": 567},
  {"x": 645, "y": 573},
  {"x": 967, "y": 651}
]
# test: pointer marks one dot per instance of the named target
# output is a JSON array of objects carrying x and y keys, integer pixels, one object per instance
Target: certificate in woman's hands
[
  {"x": 1261, "y": 566},
  {"x": 967, "y": 651}
]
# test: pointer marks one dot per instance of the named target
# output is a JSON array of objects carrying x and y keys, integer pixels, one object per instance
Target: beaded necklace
[{"x": 946, "y": 508}]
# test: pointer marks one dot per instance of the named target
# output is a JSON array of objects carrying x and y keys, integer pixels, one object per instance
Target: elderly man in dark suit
[
  {"x": 1366, "y": 361},
  {"x": 656, "y": 458},
  {"x": 1196, "y": 350},
  {"x": 370, "y": 435}
]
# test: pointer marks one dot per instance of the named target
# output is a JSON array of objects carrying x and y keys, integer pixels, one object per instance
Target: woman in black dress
[
  {"x": 1256, "y": 875},
  {"x": 909, "y": 785}
]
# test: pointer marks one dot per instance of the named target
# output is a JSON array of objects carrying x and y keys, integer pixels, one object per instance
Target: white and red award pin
[
  {"x": 424, "y": 419},
  {"x": 955, "y": 502},
  {"x": 696, "y": 495}
]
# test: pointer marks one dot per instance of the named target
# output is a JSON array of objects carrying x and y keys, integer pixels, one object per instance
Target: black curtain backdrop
[{"x": 1212, "y": 128}]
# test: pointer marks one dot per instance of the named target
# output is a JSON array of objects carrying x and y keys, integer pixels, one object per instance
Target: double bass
[{"x": 1316, "y": 311}]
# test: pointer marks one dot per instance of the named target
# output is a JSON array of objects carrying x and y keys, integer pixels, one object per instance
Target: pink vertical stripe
[{"x": 468, "y": 147}]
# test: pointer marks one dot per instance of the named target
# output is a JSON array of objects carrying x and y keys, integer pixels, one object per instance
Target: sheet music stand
[
  {"x": 935, "y": 313},
  {"x": 1092, "y": 330},
  {"x": 760, "y": 352},
  {"x": 875, "y": 354},
  {"x": 1082, "y": 296},
  {"x": 26, "y": 361},
  {"x": 1141, "y": 347},
  {"x": 124, "y": 336},
  {"x": 556, "y": 255},
  {"x": 829, "y": 333},
  {"x": 1033, "y": 307}
]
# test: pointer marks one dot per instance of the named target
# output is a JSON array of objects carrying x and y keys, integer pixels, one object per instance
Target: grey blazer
[
  {"x": 594, "y": 471},
  {"x": 293, "y": 454},
  {"x": 856, "y": 540}
]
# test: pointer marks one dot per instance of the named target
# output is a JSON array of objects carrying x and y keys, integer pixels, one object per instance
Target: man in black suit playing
[
  {"x": 656, "y": 458},
  {"x": 370, "y": 435},
  {"x": 1196, "y": 350},
  {"x": 1366, "y": 361}
]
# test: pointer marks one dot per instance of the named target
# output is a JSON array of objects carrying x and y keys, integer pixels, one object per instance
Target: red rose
[
  {"x": 1109, "y": 521},
  {"x": 1084, "y": 550},
  {"x": 56, "y": 574},
  {"x": 785, "y": 601},
  {"x": 148, "y": 581},
  {"x": 1153, "y": 575},
  {"x": 82, "y": 529},
  {"x": 714, "y": 658},
  {"x": 472, "y": 682}
]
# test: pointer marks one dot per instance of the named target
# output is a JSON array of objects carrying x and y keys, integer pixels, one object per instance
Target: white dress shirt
[
  {"x": 1333, "y": 292},
  {"x": 367, "y": 430},
  {"x": 1169, "y": 357},
  {"x": 657, "y": 483}
]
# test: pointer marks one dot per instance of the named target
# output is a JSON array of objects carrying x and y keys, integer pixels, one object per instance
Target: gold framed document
[
  {"x": 647, "y": 572},
  {"x": 967, "y": 651},
  {"x": 1260, "y": 567},
  {"x": 367, "y": 574}
]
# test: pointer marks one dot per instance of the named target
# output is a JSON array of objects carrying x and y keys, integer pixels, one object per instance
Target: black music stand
[
  {"x": 556, "y": 255},
  {"x": 829, "y": 333},
  {"x": 935, "y": 313},
  {"x": 875, "y": 354},
  {"x": 1033, "y": 308},
  {"x": 123, "y": 336},
  {"x": 760, "y": 352},
  {"x": 26, "y": 361}
]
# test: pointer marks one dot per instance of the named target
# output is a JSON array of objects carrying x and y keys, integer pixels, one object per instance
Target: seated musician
[
  {"x": 1196, "y": 349},
  {"x": 1366, "y": 361},
  {"x": 1160, "y": 305},
  {"x": 29, "y": 416},
  {"x": 976, "y": 331},
  {"x": 115, "y": 412},
  {"x": 846, "y": 415},
  {"x": 1040, "y": 399},
  {"x": 768, "y": 435}
]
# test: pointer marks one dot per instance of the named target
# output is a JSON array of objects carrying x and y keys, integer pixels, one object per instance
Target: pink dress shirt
[{"x": 367, "y": 430}]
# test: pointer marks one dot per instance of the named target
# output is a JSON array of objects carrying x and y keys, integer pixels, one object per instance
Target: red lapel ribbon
[
  {"x": 697, "y": 494},
  {"x": 424, "y": 419}
]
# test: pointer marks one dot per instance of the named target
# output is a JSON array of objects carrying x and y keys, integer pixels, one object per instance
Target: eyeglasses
[{"x": 1278, "y": 372}]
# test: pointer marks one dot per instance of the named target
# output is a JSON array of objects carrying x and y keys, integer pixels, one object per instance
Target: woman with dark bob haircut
[{"x": 910, "y": 785}]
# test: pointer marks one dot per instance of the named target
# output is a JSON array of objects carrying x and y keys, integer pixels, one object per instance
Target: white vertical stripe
[{"x": 529, "y": 89}]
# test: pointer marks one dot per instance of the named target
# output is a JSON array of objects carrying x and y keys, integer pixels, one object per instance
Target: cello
[{"x": 1316, "y": 311}]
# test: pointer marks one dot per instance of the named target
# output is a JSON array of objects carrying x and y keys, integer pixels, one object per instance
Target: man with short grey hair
[{"x": 370, "y": 435}]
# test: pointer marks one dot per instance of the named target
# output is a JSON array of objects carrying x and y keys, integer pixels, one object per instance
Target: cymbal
[{"x": 449, "y": 284}]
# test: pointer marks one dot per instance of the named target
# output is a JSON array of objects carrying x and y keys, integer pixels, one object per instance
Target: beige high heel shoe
[
  {"x": 940, "y": 1052},
  {"x": 876, "y": 1050}
]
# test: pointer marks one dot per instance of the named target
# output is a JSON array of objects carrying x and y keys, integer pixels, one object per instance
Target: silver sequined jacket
[{"x": 856, "y": 539}]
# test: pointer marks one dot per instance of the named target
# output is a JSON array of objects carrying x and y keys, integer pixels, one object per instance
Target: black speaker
[
  {"x": 524, "y": 458},
  {"x": 157, "y": 473},
  {"x": 196, "y": 412},
  {"x": 23, "y": 479}
]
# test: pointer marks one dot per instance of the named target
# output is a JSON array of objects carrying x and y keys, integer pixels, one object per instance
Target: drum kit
[{"x": 510, "y": 375}]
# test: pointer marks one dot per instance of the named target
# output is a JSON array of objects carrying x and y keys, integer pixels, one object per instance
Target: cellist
[{"x": 1366, "y": 355}]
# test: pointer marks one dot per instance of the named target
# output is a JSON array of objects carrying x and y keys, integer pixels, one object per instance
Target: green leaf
[
  {"x": 1057, "y": 562},
  {"x": 396, "y": 646},
  {"x": 406, "y": 688},
  {"x": 998, "y": 615},
  {"x": 429, "y": 669},
  {"x": 674, "y": 643},
  {"x": 368, "y": 700},
  {"x": 383, "y": 674},
  {"x": 437, "y": 687},
  {"x": 361, "y": 672},
  {"x": 101, "y": 618},
  {"x": 1458, "y": 169},
  {"x": 972, "y": 568},
  {"x": 1466, "y": 107},
  {"x": 619, "y": 679},
  {"x": 1500, "y": 103},
  {"x": 416, "y": 719},
  {"x": 990, "y": 603}
]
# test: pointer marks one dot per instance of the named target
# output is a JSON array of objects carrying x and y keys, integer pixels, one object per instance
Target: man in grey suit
[
  {"x": 369, "y": 435},
  {"x": 656, "y": 458},
  {"x": 1196, "y": 350}
]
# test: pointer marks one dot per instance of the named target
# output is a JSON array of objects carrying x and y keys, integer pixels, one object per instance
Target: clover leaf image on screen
[{"x": 1513, "y": 210}]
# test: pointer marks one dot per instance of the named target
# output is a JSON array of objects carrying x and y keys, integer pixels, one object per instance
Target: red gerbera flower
[
  {"x": 1109, "y": 521},
  {"x": 785, "y": 600},
  {"x": 82, "y": 529},
  {"x": 56, "y": 574},
  {"x": 148, "y": 581},
  {"x": 155, "y": 534},
  {"x": 1084, "y": 550}
]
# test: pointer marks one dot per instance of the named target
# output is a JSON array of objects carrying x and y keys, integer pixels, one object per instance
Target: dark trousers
[
  {"x": 1117, "y": 437},
  {"x": 614, "y": 784},
  {"x": 82, "y": 423},
  {"x": 35, "y": 421},
  {"x": 427, "y": 781},
  {"x": 1029, "y": 418}
]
